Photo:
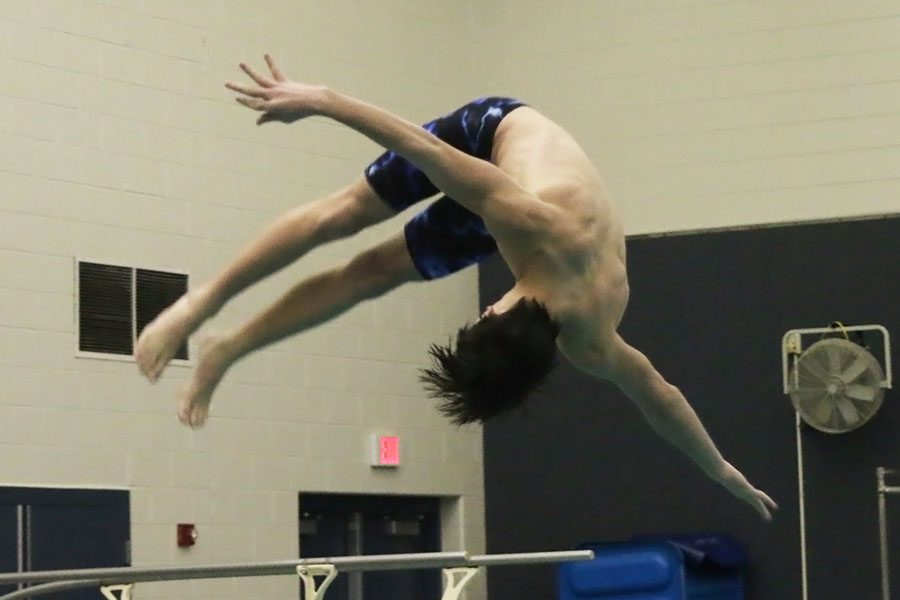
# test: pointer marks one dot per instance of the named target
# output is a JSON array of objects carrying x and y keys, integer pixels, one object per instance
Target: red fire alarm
[{"x": 187, "y": 535}]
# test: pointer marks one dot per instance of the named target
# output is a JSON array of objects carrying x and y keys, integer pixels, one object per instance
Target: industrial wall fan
[{"x": 836, "y": 384}]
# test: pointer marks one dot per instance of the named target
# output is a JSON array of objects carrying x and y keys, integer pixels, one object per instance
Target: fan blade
[
  {"x": 808, "y": 399},
  {"x": 853, "y": 372},
  {"x": 848, "y": 411},
  {"x": 834, "y": 359},
  {"x": 860, "y": 392},
  {"x": 817, "y": 389},
  {"x": 823, "y": 411},
  {"x": 810, "y": 373},
  {"x": 814, "y": 366}
]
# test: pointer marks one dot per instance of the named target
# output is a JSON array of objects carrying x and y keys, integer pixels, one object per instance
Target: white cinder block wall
[
  {"x": 118, "y": 143},
  {"x": 712, "y": 113}
]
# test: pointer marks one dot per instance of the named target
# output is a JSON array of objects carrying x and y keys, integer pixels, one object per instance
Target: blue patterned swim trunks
[{"x": 445, "y": 237}]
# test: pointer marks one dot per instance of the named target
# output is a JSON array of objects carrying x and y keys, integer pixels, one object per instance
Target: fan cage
[
  {"x": 791, "y": 348},
  {"x": 837, "y": 385}
]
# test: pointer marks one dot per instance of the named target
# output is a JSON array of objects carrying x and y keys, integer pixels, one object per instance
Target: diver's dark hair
[{"x": 497, "y": 363}]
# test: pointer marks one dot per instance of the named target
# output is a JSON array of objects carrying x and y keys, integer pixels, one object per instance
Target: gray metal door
[
  {"x": 48, "y": 529},
  {"x": 9, "y": 542},
  {"x": 350, "y": 525}
]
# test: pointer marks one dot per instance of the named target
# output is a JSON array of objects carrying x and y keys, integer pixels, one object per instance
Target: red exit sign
[{"x": 386, "y": 451}]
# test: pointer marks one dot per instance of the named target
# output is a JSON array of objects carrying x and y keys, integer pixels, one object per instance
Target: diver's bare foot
[
  {"x": 161, "y": 339},
  {"x": 193, "y": 402}
]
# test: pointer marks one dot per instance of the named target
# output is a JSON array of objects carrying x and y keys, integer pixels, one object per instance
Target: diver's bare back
[{"x": 583, "y": 258}]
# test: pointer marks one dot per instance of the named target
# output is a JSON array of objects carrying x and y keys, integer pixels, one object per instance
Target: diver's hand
[
  {"x": 735, "y": 482},
  {"x": 277, "y": 97}
]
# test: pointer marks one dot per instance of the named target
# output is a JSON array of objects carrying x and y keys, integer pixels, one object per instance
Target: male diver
[{"x": 512, "y": 181}]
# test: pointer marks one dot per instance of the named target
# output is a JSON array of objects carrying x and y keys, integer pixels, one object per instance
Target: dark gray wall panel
[{"x": 709, "y": 309}]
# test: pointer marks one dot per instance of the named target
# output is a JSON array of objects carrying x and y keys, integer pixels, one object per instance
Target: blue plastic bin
[{"x": 683, "y": 567}]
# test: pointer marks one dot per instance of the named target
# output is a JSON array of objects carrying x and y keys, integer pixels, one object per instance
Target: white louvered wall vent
[{"x": 116, "y": 302}]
